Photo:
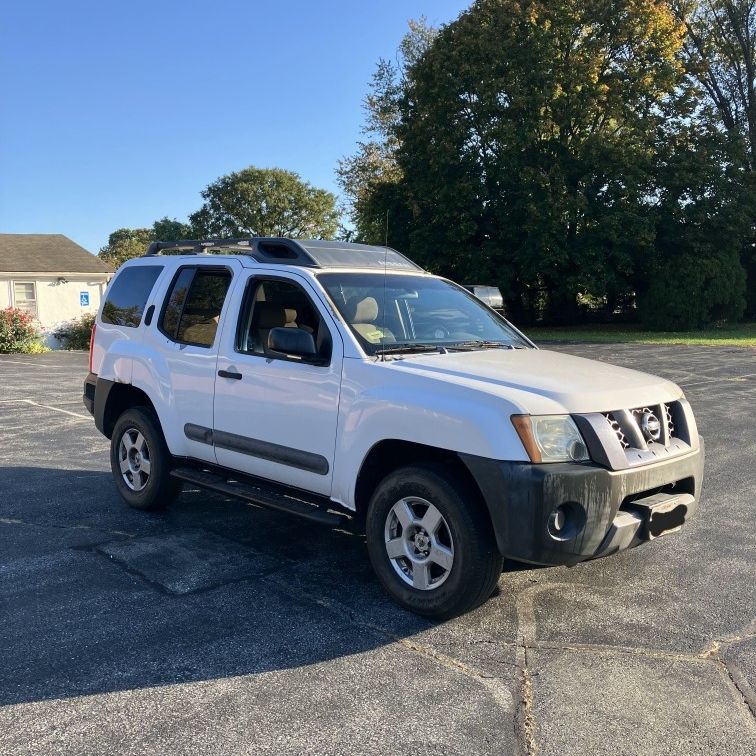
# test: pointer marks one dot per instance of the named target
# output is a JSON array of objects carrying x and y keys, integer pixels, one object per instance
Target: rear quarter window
[{"x": 127, "y": 296}]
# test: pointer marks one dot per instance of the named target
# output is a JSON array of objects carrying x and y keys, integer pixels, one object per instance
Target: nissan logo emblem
[{"x": 650, "y": 426}]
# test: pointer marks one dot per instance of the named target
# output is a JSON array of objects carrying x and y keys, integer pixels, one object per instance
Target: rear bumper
[
  {"x": 90, "y": 384},
  {"x": 567, "y": 513}
]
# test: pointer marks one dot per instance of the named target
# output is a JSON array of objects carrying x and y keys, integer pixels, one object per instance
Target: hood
[{"x": 575, "y": 383}]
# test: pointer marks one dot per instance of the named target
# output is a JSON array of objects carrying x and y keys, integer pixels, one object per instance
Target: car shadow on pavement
[{"x": 96, "y": 597}]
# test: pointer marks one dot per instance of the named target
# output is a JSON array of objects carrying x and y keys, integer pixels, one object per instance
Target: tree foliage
[
  {"x": 126, "y": 243},
  {"x": 560, "y": 150},
  {"x": 369, "y": 177},
  {"x": 527, "y": 134},
  {"x": 251, "y": 202},
  {"x": 266, "y": 202},
  {"x": 721, "y": 55}
]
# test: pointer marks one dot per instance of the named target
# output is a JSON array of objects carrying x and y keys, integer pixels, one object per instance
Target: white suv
[{"x": 342, "y": 383}]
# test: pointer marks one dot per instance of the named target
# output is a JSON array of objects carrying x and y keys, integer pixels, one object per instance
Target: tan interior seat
[
  {"x": 362, "y": 314},
  {"x": 267, "y": 316}
]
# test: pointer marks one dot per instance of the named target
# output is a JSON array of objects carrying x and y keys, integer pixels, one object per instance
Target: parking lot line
[{"x": 46, "y": 406}]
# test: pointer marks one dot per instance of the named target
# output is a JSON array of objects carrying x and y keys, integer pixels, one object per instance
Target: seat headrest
[
  {"x": 363, "y": 310},
  {"x": 270, "y": 315}
]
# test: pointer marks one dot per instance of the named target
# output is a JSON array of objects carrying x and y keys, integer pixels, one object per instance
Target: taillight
[{"x": 91, "y": 345}]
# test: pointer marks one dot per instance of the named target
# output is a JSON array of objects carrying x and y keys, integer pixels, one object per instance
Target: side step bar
[{"x": 274, "y": 498}]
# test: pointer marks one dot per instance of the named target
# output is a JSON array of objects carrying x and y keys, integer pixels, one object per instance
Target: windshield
[{"x": 393, "y": 313}]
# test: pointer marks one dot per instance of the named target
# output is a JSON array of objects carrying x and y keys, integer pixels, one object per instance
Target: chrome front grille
[
  {"x": 617, "y": 428},
  {"x": 669, "y": 421},
  {"x": 623, "y": 438},
  {"x": 627, "y": 426}
]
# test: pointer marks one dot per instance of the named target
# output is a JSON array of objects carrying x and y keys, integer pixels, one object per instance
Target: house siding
[{"x": 57, "y": 302}]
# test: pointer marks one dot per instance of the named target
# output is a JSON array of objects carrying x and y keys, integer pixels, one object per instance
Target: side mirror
[{"x": 291, "y": 342}]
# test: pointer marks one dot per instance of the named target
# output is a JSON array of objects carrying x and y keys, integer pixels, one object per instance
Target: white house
[{"x": 51, "y": 277}]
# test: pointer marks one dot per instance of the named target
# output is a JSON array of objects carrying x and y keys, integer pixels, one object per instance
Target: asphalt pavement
[{"x": 220, "y": 627}]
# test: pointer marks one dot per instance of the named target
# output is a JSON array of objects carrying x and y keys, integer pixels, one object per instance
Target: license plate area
[{"x": 662, "y": 513}]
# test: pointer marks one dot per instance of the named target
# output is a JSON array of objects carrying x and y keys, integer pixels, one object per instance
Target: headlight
[{"x": 550, "y": 438}]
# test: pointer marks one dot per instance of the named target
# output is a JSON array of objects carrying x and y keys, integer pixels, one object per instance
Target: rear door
[
  {"x": 275, "y": 417},
  {"x": 185, "y": 335}
]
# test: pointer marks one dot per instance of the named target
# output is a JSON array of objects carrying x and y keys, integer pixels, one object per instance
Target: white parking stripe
[
  {"x": 32, "y": 364},
  {"x": 46, "y": 406}
]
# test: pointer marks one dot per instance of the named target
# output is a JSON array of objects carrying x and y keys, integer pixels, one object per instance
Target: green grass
[{"x": 743, "y": 335}]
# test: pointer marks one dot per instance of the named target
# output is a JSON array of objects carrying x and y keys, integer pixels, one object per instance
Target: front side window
[
  {"x": 275, "y": 303},
  {"x": 127, "y": 295},
  {"x": 25, "y": 296},
  {"x": 193, "y": 308},
  {"x": 391, "y": 312}
]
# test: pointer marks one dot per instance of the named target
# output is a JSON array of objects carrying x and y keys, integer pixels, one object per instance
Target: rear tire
[
  {"x": 431, "y": 542},
  {"x": 141, "y": 462}
]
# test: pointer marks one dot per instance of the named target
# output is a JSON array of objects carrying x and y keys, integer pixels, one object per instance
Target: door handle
[{"x": 230, "y": 374}]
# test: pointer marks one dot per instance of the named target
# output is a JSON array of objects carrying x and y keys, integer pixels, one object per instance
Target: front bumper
[{"x": 601, "y": 511}]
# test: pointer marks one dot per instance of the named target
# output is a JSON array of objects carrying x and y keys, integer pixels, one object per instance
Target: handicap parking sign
[{"x": 84, "y": 298}]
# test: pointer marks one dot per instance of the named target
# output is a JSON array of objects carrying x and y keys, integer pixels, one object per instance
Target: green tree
[
  {"x": 702, "y": 210},
  {"x": 266, "y": 202},
  {"x": 369, "y": 178},
  {"x": 526, "y": 137},
  {"x": 721, "y": 55},
  {"x": 126, "y": 243},
  {"x": 167, "y": 229}
]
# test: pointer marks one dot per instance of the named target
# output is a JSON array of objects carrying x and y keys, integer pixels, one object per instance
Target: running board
[{"x": 271, "y": 498}]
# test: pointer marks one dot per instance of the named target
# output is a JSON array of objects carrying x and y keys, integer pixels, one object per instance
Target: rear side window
[
  {"x": 192, "y": 310},
  {"x": 127, "y": 296}
]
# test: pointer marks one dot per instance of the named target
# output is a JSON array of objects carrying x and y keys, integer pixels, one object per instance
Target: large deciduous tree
[
  {"x": 721, "y": 54},
  {"x": 527, "y": 137},
  {"x": 369, "y": 178},
  {"x": 266, "y": 202},
  {"x": 126, "y": 243}
]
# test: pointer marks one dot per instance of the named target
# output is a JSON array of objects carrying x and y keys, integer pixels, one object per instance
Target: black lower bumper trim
[
  {"x": 90, "y": 384},
  {"x": 567, "y": 513}
]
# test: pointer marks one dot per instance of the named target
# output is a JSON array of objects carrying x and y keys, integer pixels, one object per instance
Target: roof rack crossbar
[
  {"x": 260, "y": 249},
  {"x": 198, "y": 246}
]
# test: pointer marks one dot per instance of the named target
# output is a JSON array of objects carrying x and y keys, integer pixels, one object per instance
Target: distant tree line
[
  {"x": 251, "y": 202},
  {"x": 595, "y": 159}
]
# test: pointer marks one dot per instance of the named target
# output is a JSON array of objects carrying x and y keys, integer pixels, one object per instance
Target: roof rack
[
  {"x": 261, "y": 249},
  {"x": 310, "y": 253}
]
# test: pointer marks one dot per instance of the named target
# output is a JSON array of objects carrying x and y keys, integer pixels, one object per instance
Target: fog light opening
[{"x": 566, "y": 521}]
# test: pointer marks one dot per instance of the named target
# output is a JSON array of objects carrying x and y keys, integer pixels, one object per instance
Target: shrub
[
  {"x": 691, "y": 293},
  {"x": 76, "y": 333},
  {"x": 18, "y": 331}
]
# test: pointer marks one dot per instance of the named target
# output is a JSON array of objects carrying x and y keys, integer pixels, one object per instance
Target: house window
[{"x": 25, "y": 296}]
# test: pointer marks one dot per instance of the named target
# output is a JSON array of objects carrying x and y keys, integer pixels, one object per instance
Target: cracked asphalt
[{"x": 221, "y": 627}]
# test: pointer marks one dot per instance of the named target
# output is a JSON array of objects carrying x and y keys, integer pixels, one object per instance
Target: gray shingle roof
[{"x": 46, "y": 253}]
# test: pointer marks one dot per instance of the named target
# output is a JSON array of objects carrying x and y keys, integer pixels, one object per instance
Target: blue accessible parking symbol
[{"x": 84, "y": 298}]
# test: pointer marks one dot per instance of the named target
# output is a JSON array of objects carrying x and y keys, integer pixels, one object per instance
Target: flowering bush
[
  {"x": 18, "y": 331},
  {"x": 76, "y": 333}
]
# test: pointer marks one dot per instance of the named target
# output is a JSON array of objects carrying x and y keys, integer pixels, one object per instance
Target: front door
[{"x": 275, "y": 416}]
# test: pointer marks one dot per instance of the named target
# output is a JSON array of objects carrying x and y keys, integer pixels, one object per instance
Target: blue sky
[{"x": 116, "y": 114}]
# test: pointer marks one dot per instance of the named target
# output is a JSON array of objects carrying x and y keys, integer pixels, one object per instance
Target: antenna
[{"x": 385, "y": 278}]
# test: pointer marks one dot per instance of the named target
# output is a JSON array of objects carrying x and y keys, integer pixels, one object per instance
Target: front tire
[
  {"x": 141, "y": 462},
  {"x": 431, "y": 543}
]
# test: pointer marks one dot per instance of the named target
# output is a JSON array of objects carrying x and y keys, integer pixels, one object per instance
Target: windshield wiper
[
  {"x": 481, "y": 344},
  {"x": 410, "y": 349}
]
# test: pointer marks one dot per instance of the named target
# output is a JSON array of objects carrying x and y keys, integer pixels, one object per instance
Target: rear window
[
  {"x": 127, "y": 296},
  {"x": 192, "y": 310}
]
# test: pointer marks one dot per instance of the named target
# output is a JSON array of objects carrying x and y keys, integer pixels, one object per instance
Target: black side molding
[{"x": 284, "y": 455}]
